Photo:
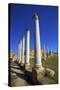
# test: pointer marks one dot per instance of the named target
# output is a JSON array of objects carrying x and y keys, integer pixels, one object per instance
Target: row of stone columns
[
  {"x": 37, "y": 45},
  {"x": 24, "y": 60},
  {"x": 38, "y": 71}
]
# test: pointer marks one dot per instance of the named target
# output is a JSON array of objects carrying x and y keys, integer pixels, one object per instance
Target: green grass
[
  {"x": 52, "y": 63},
  {"x": 52, "y": 60},
  {"x": 13, "y": 79},
  {"x": 32, "y": 61}
]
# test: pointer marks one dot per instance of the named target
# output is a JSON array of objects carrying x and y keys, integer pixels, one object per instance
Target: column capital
[
  {"x": 27, "y": 29},
  {"x": 36, "y": 16}
]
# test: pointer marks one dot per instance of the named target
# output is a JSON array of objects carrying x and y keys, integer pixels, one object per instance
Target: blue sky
[{"x": 21, "y": 17}]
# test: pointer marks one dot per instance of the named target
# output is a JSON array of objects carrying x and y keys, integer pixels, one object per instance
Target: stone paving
[{"x": 21, "y": 79}]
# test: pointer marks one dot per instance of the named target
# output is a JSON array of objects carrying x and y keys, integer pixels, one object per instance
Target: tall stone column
[
  {"x": 23, "y": 50},
  {"x": 19, "y": 51},
  {"x": 37, "y": 44},
  {"x": 27, "y": 48},
  {"x": 48, "y": 52},
  {"x": 51, "y": 53},
  {"x": 38, "y": 70},
  {"x": 45, "y": 53}
]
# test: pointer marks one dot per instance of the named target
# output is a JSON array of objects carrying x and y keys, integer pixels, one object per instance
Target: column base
[
  {"x": 38, "y": 73},
  {"x": 38, "y": 66},
  {"x": 27, "y": 66},
  {"x": 22, "y": 64}
]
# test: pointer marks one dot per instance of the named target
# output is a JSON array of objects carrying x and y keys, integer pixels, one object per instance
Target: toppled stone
[
  {"x": 38, "y": 74},
  {"x": 50, "y": 72},
  {"x": 14, "y": 74}
]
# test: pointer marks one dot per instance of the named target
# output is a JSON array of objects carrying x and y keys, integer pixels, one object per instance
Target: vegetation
[
  {"x": 52, "y": 63},
  {"x": 13, "y": 79}
]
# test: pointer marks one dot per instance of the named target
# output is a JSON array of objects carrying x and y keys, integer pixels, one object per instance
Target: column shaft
[
  {"x": 19, "y": 51},
  {"x": 45, "y": 55},
  {"x": 27, "y": 47},
  {"x": 23, "y": 50},
  {"x": 37, "y": 43}
]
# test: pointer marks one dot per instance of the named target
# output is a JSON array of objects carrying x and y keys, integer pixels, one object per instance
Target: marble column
[
  {"x": 45, "y": 53},
  {"x": 38, "y": 71},
  {"x": 23, "y": 50},
  {"x": 37, "y": 44},
  {"x": 48, "y": 52},
  {"x": 27, "y": 48},
  {"x": 51, "y": 53},
  {"x": 19, "y": 51}
]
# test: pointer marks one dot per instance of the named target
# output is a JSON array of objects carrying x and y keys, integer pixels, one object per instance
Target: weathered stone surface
[
  {"x": 14, "y": 74},
  {"x": 27, "y": 67},
  {"x": 49, "y": 72},
  {"x": 18, "y": 77},
  {"x": 46, "y": 81},
  {"x": 13, "y": 57},
  {"x": 22, "y": 64},
  {"x": 40, "y": 78},
  {"x": 38, "y": 74}
]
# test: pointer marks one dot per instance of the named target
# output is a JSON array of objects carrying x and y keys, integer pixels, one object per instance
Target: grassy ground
[
  {"x": 13, "y": 79},
  {"x": 52, "y": 63}
]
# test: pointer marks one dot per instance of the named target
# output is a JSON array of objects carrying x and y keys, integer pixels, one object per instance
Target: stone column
[
  {"x": 23, "y": 50},
  {"x": 48, "y": 52},
  {"x": 19, "y": 51},
  {"x": 45, "y": 53},
  {"x": 38, "y": 70},
  {"x": 51, "y": 53},
  {"x": 27, "y": 48},
  {"x": 37, "y": 44}
]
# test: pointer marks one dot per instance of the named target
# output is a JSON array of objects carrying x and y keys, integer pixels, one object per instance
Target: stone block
[
  {"x": 27, "y": 67},
  {"x": 22, "y": 66},
  {"x": 49, "y": 72},
  {"x": 38, "y": 74}
]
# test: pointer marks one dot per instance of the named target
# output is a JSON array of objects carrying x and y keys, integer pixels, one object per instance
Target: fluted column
[
  {"x": 37, "y": 42},
  {"x": 27, "y": 47}
]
